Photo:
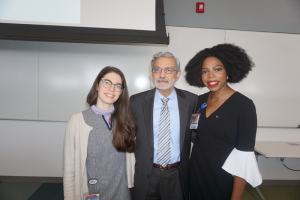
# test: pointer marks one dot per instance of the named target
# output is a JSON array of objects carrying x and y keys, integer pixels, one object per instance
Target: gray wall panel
[
  {"x": 41, "y": 145},
  {"x": 31, "y": 148},
  {"x": 255, "y": 15},
  {"x": 18, "y": 80}
]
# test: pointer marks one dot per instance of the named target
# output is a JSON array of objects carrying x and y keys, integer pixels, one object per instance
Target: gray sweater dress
[{"x": 103, "y": 161}]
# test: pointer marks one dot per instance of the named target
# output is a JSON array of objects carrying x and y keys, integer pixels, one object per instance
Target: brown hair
[{"x": 124, "y": 127}]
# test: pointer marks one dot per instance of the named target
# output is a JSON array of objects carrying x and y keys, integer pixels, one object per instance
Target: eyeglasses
[
  {"x": 167, "y": 70},
  {"x": 107, "y": 84}
]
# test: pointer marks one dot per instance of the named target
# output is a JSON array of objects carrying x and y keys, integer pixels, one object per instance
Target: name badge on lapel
[
  {"x": 194, "y": 120},
  {"x": 195, "y": 117}
]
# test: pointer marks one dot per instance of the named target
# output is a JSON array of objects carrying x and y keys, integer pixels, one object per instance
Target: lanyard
[{"x": 202, "y": 106}]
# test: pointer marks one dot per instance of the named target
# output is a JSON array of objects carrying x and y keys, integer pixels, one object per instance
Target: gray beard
[{"x": 163, "y": 88}]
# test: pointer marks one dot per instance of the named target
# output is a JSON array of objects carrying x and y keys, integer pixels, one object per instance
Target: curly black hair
[{"x": 235, "y": 60}]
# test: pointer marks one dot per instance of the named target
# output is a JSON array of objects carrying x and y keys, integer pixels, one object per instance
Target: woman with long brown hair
[{"x": 96, "y": 141}]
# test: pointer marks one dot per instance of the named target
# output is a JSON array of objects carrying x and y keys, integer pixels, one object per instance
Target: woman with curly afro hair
[{"x": 222, "y": 159}]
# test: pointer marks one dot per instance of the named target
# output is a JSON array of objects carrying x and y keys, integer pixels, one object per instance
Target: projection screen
[{"x": 90, "y": 21}]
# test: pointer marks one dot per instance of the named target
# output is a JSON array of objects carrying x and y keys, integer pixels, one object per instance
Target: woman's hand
[{"x": 238, "y": 188}]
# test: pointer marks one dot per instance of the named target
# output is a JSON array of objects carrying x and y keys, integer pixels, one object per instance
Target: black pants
[{"x": 165, "y": 185}]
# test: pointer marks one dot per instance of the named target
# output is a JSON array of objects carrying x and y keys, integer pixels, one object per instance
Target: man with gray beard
[{"x": 164, "y": 136}]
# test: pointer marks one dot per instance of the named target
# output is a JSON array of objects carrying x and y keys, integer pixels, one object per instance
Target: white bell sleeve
[{"x": 243, "y": 164}]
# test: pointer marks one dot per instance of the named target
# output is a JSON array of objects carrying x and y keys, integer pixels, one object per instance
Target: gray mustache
[{"x": 162, "y": 79}]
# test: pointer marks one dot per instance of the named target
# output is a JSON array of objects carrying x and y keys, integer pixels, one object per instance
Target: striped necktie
[{"x": 164, "y": 151}]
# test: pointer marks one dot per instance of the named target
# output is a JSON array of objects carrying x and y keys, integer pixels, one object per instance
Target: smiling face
[
  {"x": 107, "y": 96},
  {"x": 165, "y": 82},
  {"x": 214, "y": 75}
]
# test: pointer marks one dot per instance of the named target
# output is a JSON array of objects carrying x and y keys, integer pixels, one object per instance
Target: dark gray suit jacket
[{"x": 142, "y": 108}]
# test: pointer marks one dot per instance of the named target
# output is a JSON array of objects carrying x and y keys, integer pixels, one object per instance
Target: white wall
[
  {"x": 59, "y": 75},
  {"x": 34, "y": 148}
]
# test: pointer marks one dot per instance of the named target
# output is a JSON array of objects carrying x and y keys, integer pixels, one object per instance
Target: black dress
[{"x": 232, "y": 126}]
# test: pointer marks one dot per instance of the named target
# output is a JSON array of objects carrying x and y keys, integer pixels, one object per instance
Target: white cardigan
[{"x": 75, "y": 153}]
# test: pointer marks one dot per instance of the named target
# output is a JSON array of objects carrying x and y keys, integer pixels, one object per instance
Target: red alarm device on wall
[{"x": 200, "y": 7}]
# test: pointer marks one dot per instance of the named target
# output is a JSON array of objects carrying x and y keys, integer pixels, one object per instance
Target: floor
[
  {"x": 273, "y": 192},
  {"x": 31, "y": 191},
  {"x": 54, "y": 191}
]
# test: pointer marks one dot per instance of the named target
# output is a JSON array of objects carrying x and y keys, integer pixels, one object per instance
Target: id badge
[
  {"x": 194, "y": 120},
  {"x": 92, "y": 194},
  {"x": 92, "y": 197}
]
